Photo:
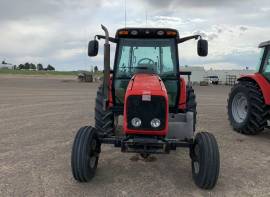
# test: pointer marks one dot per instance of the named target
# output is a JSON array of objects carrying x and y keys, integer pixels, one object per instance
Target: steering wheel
[{"x": 149, "y": 61}]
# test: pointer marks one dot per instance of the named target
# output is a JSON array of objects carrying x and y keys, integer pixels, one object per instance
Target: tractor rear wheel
[
  {"x": 85, "y": 154},
  {"x": 104, "y": 120},
  {"x": 192, "y": 104},
  {"x": 205, "y": 160},
  {"x": 247, "y": 111}
]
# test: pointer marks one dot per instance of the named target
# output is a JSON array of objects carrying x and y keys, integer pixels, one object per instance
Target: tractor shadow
[
  {"x": 264, "y": 135},
  {"x": 68, "y": 81},
  {"x": 137, "y": 157}
]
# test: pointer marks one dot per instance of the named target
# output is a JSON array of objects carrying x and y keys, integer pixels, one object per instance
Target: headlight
[
  {"x": 155, "y": 123},
  {"x": 136, "y": 122}
]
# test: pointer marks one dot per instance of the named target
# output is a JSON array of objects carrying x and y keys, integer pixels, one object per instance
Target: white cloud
[
  {"x": 265, "y": 9},
  {"x": 66, "y": 54},
  {"x": 23, "y": 38},
  {"x": 57, "y": 32}
]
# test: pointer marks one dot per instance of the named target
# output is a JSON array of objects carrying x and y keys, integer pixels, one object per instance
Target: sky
[{"x": 57, "y": 32}]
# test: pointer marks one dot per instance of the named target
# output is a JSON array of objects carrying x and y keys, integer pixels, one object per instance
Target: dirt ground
[{"x": 39, "y": 117}]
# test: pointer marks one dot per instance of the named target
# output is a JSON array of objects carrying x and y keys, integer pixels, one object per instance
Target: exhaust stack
[{"x": 106, "y": 73}]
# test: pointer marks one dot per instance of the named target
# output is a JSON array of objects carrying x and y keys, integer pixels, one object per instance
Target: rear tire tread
[
  {"x": 257, "y": 118},
  {"x": 104, "y": 120}
]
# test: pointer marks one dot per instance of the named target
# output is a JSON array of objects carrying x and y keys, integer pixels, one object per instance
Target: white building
[
  {"x": 223, "y": 73},
  {"x": 199, "y": 73},
  {"x": 5, "y": 66}
]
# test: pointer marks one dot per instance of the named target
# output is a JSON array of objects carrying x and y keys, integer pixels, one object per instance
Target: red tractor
[
  {"x": 249, "y": 100},
  {"x": 158, "y": 107}
]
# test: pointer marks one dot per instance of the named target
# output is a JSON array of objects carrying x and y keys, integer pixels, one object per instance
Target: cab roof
[
  {"x": 135, "y": 32},
  {"x": 264, "y": 44}
]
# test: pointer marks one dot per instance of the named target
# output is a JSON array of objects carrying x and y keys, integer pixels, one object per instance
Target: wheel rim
[
  {"x": 93, "y": 153},
  {"x": 196, "y": 167},
  {"x": 239, "y": 107},
  {"x": 196, "y": 163},
  {"x": 93, "y": 162},
  {"x": 115, "y": 122}
]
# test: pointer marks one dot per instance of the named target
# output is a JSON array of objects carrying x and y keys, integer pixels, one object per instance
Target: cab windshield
[{"x": 147, "y": 56}]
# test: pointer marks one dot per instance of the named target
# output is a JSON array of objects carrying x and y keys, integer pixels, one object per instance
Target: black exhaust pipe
[{"x": 106, "y": 74}]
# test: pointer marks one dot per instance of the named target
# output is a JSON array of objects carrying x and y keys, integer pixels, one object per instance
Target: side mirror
[
  {"x": 202, "y": 47},
  {"x": 93, "y": 48}
]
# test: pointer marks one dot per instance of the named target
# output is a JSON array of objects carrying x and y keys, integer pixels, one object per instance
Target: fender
[
  {"x": 183, "y": 94},
  {"x": 110, "y": 103},
  {"x": 262, "y": 83}
]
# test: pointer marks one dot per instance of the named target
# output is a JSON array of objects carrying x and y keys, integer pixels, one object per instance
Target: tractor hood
[
  {"x": 146, "y": 98},
  {"x": 147, "y": 84}
]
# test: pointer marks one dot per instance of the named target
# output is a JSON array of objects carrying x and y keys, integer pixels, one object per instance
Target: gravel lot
[{"x": 39, "y": 117}]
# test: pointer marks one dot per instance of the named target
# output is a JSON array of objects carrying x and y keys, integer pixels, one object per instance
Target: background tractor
[
  {"x": 249, "y": 100},
  {"x": 157, "y": 105}
]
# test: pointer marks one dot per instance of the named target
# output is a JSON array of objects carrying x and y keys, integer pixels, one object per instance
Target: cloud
[
  {"x": 57, "y": 31},
  {"x": 265, "y": 9},
  {"x": 66, "y": 54},
  {"x": 242, "y": 28},
  {"x": 207, "y": 35},
  {"x": 20, "y": 9},
  {"x": 194, "y": 3}
]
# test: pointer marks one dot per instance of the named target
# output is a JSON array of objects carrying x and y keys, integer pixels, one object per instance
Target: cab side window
[{"x": 266, "y": 67}]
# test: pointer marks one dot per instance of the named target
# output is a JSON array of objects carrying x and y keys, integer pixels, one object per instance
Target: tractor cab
[
  {"x": 152, "y": 51},
  {"x": 264, "y": 63}
]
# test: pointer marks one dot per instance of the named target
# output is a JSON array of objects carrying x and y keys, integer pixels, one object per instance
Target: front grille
[{"x": 146, "y": 111}]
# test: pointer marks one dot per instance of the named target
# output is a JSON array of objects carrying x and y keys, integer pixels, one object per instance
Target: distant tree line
[{"x": 31, "y": 66}]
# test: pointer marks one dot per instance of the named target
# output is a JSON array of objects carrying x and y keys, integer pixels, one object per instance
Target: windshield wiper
[{"x": 141, "y": 67}]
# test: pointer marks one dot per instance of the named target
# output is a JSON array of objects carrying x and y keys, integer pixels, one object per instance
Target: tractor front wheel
[
  {"x": 85, "y": 154},
  {"x": 205, "y": 160}
]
